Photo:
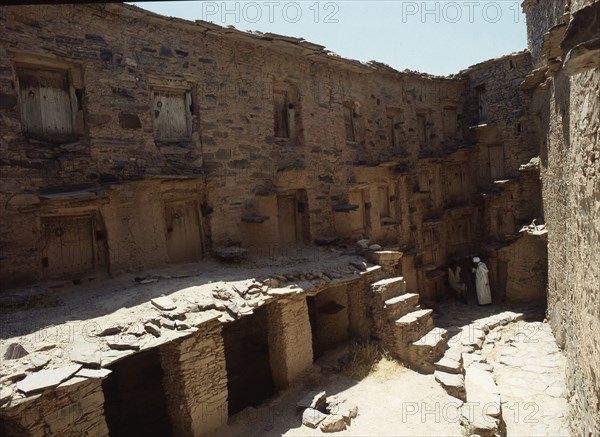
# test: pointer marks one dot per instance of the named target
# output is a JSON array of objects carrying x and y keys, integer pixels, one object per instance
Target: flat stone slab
[
  {"x": 315, "y": 400},
  {"x": 482, "y": 366},
  {"x": 37, "y": 361},
  {"x": 93, "y": 373},
  {"x": 346, "y": 409},
  {"x": 312, "y": 417},
  {"x": 448, "y": 365},
  {"x": 333, "y": 423},
  {"x": 481, "y": 425},
  {"x": 482, "y": 391},
  {"x": 152, "y": 328},
  {"x": 453, "y": 384},
  {"x": 164, "y": 303},
  {"x": 384, "y": 283},
  {"x": 88, "y": 359},
  {"x": 110, "y": 330},
  {"x": 124, "y": 343},
  {"x": 432, "y": 338},
  {"x": 46, "y": 379},
  {"x": 413, "y": 317}
]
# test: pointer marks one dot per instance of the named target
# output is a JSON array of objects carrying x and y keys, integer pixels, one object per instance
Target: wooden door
[
  {"x": 286, "y": 210},
  {"x": 68, "y": 245},
  {"x": 496, "y": 162},
  {"x": 172, "y": 115},
  {"x": 45, "y": 101},
  {"x": 357, "y": 217},
  {"x": 450, "y": 126},
  {"x": 455, "y": 182},
  {"x": 431, "y": 245},
  {"x": 184, "y": 236}
]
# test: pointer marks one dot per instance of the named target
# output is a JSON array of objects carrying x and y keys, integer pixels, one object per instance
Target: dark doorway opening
[
  {"x": 135, "y": 402},
  {"x": 329, "y": 319},
  {"x": 249, "y": 377}
]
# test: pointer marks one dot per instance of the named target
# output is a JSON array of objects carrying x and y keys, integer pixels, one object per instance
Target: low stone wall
[{"x": 74, "y": 409}]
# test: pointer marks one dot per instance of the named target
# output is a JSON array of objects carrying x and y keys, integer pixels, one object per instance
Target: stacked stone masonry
[
  {"x": 139, "y": 190},
  {"x": 568, "y": 112},
  {"x": 172, "y": 141}
]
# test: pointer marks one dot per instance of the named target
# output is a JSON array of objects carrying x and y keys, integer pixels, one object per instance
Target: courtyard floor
[{"x": 526, "y": 364}]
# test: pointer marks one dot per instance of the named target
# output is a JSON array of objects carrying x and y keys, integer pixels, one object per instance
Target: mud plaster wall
[
  {"x": 570, "y": 167},
  {"x": 195, "y": 382},
  {"x": 290, "y": 342},
  {"x": 130, "y": 217},
  {"x": 73, "y": 409}
]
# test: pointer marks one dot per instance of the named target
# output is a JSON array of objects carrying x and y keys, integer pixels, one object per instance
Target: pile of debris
[{"x": 330, "y": 414}]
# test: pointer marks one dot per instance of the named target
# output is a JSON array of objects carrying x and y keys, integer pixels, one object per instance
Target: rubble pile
[{"x": 329, "y": 414}]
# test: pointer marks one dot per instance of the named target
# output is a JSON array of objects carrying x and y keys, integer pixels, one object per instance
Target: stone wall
[
  {"x": 229, "y": 154},
  {"x": 72, "y": 409},
  {"x": 570, "y": 169},
  {"x": 505, "y": 140},
  {"x": 195, "y": 382},
  {"x": 290, "y": 342}
]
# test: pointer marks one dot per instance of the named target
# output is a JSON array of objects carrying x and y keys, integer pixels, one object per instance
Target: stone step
[
  {"x": 414, "y": 316},
  {"x": 453, "y": 384},
  {"x": 424, "y": 352},
  {"x": 399, "y": 306},
  {"x": 411, "y": 327},
  {"x": 448, "y": 365},
  {"x": 483, "y": 396},
  {"x": 389, "y": 287}
]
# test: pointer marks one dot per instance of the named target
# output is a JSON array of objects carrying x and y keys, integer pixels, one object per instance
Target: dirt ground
[{"x": 403, "y": 403}]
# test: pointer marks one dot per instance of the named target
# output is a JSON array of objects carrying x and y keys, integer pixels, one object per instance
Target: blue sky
[{"x": 438, "y": 37}]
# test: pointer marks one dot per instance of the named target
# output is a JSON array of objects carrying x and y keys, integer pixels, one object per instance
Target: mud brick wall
[
  {"x": 75, "y": 408},
  {"x": 195, "y": 381},
  {"x": 290, "y": 342}
]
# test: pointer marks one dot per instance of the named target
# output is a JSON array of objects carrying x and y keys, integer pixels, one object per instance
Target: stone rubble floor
[{"x": 528, "y": 368}]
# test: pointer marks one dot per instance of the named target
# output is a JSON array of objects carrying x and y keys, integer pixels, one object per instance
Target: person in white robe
[
  {"x": 484, "y": 294},
  {"x": 455, "y": 284}
]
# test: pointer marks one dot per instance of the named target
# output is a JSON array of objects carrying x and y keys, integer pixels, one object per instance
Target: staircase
[{"x": 404, "y": 328}]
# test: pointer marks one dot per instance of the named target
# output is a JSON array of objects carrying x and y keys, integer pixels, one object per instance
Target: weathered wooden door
[
  {"x": 455, "y": 180},
  {"x": 184, "y": 235},
  {"x": 431, "y": 245},
  {"x": 45, "y": 101},
  {"x": 357, "y": 217},
  {"x": 496, "y": 162},
  {"x": 68, "y": 245},
  {"x": 286, "y": 210}
]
